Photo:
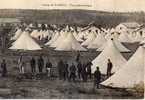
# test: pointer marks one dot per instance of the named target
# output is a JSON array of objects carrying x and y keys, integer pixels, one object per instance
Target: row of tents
[
  {"x": 127, "y": 74},
  {"x": 77, "y": 41}
]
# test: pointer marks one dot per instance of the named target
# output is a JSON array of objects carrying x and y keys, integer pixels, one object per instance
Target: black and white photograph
[{"x": 72, "y": 49}]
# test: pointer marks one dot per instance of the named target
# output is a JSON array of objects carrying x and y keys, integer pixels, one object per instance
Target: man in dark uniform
[
  {"x": 48, "y": 67},
  {"x": 33, "y": 65},
  {"x": 4, "y": 68},
  {"x": 109, "y": 68},
  {"x": 88, "y": 68},
  {"x": 72, "y": 72},
  {"x": 65, "y": 74},
  {"x": 78, "y": 56},
  {"x": 79, "y": 67},
  {"x": 40, "y": 64},
  {"x": 60, "y": 66},
  {"x": 97, "y": 77},
  {"x": 84, "y": 73}
]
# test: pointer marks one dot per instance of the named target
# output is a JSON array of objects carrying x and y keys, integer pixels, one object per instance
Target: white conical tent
[
  {"x": 62, "y": 36},
  {"x": 41, "y": 34},
  {"x": 91, "y": 38},
  {"x": 98, "y": 41},
  {"x": 137, "y": 38},
  {"x": 119, "y": 46},
  {"x": 130, "y": 74},
  {"x": 34, "y": 33},
  {"x": 70, "y": 44},
  {"x": 77, "y": 37},
  {"x": 143, "y": 41},
  {"x": 25, "y": 42},
  {"x": 112, "y": 30},
  {"x": 53, "y": 39},
  {"x": 81, "y": 35},
  {"x": 108, "y": 35},
  {"x": 17, "y": 34},
  {"x": 45, "y": 34},
  {"x": 124, "y": 38},
  {"x": 110, "y": 52}
]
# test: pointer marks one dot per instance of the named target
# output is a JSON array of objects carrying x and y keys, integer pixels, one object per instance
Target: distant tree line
[{"x": 74, "y": 17}]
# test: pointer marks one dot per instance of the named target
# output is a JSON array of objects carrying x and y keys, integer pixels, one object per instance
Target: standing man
[
  {"x": 40, "y": 64},
  {"x": 79, "y": 67},
  {"x": 33, "y": 65},
  {"x": 4, "y": 68},
  {"x": 78, "y": 56},
  {"x": 72, "y": 72},
  {"x": 48, "y": 68},
  {"x": 60, "y": 66},
  {"x": 84, "y": 73},
  {"x": 88, "y": 69},
  {"x": 20, "y": 64},
  {"x": 109, "y": 68},
  {"x": 23, "y": 66},
  {"x": 66, "y": 70},
  {"x": 97, "y": 77}
]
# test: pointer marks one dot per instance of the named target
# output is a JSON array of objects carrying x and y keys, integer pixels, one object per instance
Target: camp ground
[{"x": 43, "y": 58}]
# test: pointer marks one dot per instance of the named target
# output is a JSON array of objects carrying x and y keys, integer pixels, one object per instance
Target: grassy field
[{"x": 44, "y": 87}]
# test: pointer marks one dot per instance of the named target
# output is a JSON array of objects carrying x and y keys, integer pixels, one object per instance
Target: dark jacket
[
  {"x": 73, "y": 69},
  {"x": 40, "y": 62},
  {"x": 109, "y": 66},
  {"x": 33, "y": 62},
  {"x": 4, "y": 67},
  {"x": 48, "y": 65},
  {"x": 97, "y": 75},
  {"x": 79, "y": 66}
]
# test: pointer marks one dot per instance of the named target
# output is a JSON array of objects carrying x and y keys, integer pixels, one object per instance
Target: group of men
[
  {"x": 34, "y": 64},
  {"x": 65, "y": 71},
  {"x": 73, "y": 71}
]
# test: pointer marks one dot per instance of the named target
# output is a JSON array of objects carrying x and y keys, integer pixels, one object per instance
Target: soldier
[
  {"x": 72, "y": 72},
  {"x": 79, "y": 67},
  {"x": 33, "y": 65},
  {"x": 78, "y": 56},
  {"x": 60, "y": 66},
  {"x": 48, "y": 67},
  {"x": 65, "y": 75},
  {"x": 88, "y": 69},
  {"x": 84, "y": 73},
  {"x": 20, "y": 64},
  {"x": 97, "y": 77},
  {"x": 23, "y": 67},
  {"x": 4, "y": 68},
  {"x": 40, "y": 64},
  {"x": 109, "y": 68}
]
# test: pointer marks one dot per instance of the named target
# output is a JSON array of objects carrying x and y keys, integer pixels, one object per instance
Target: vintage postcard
[{"x": 72, "y": 49}]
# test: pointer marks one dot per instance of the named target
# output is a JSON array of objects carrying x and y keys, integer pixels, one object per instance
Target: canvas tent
[
  {"x": 17, "y": 34},
  {"x": 35, "y": 33},
  {"x": 119, "y": 46},
  {"x": 70, "y": 44},
  {"x": 62, "y": 36},
  {"x": 89, "y": 40},
  {"x": 53, "y": 39},
  {"x": 124, "y": 38},
  {"x": 110, "y": 52},
  {"x": 98, "y": 41},
  {"x": 130, "y": 74},
  {"x": 25, "y": 42}
]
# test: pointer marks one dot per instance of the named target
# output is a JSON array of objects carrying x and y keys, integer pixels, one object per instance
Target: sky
[{"x": 103, "y": 5}]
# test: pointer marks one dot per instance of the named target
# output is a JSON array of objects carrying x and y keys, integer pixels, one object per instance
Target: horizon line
[{"x": 75, "y": 9}]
